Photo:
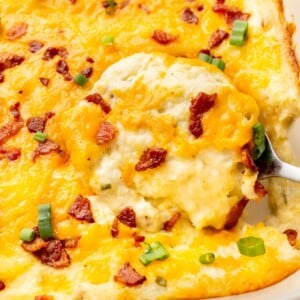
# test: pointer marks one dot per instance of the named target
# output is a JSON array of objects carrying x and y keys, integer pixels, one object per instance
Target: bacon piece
[
  {"x": 10, "y": 61},
  {"x": 144, "y": 8},
  {"x": 235, "y": 213},
  {"x": 230, "y": 13},
  {"x": 10, "y": 129},
  {"x": 200, "y": 7},
  {"x": 217, "y": 38},
  {"x": 43, "y": 297},
  {"x": 15, "y": 110},
  {"x": 189, "y": 17},
  {"x": 17, "y": 31},
  {"x": 291, "y": 235},
  {"x": 46, "y": 148},
  {"x": 169, "y": 224},
  {"x": 35, "y": 245},
  {"x": 138, "y": 239},
  {"x": 11, "y": 154},
  {"x": 44, "y": 81},
  {"x": 89, "y": 59},
  {"x": 73, "y": 1},
  {"x": 71, "y": 243},
  {"x": 63, "y": 69},
  {"x": 163, "y": 37},
  {"x": 199, "y": 105},
  {"x": 2, "y": 285},
  {"x": 35, "y": 124},
  {"x": 247, "y": 159},
  {"x": 35, "y": 46},
  {"x": 87, "y": 72},
  {"x": 129, "y": 276},
  {"x": 127, "y": 217},
  {"x": 260, "y": 190},
  {"x": 54, "y": 254},
  {"x": 81, "y": 209},
  {"x": 1, "y": 77},
  {"x": 51, "y": 52},
  {"x": 115, "y": 228},
  {"x": 106, "y": 133},
  {"x": 97, "y": 99},
  {"x": 151, "y": 158}
]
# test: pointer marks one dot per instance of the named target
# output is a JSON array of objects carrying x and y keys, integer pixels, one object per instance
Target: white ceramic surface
[{"x": 288, "y": 289}]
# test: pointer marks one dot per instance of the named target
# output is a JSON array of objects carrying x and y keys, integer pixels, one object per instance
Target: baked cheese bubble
[{"x": 153, "y": 99}]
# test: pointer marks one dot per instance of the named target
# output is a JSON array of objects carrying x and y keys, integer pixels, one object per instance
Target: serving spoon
[{"x": 270, "y": 165}]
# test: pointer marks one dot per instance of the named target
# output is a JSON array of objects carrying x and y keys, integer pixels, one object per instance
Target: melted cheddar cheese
[{"x": 25, "y": 183}]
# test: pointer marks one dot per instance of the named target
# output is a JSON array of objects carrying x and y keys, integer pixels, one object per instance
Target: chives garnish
[
  {"x": 105, "y": 186},
  {"x": 251, "y": 246},
  {"x": 154, "y": 251},
  {"x": 44, "y": 221},
  {"x": 40, "y": 136},
  {"x": 205, "y": 57},
  {"x": 259, "y": 140},
  {"x": 238, "y": 33},
  {"x": 80, "y": 79},
  {"x": 207, "y": 258},
  {"x": 108, "y": 40},
  {"x": 27, "y": 234},
  {"x": 219, "y": 63}
]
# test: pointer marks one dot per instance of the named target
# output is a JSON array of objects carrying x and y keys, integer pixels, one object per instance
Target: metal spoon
[{"x": 270, "y": 165}]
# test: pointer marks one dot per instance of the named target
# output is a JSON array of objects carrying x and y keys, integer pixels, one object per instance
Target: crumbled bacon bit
[
  {"x": 90, "y": 59},
  {"x": 189, "y": 17},
  {"x": 230, "y": 13},
  {"x": 44, "y": 81},
  {"x": 54, "y": 254},
  {"x": 291, "y": 235},
  {"x": 63, "y": 69},
  {"x": 87, "y": 72},
  {"x": 144, "y": 8},
  {"x": 151, "y": 158},
  {"x": 51, "y": 52},
  {"x": 199, "y": 105},
  {"x": 235, "y": 213},
  {"x": 35, "y": 46},
  {"x": 71, "y": 243},
  {"x": 81, "y": 209},
  {"x": 106, "y": 133},
  {"x": 34, "y": 246},
  {"x": 247, "y": 159},
  {"x": 17, "y": 31},
  {"x": 163, "y": 37},
  {"x": 35, "y": 124},
  {"x": 169, "y": 224},
  {"x": 217, "y": 38},
  {"x": 129, "y": 276},
  {"x": 15, "y": 110},
  {"x": 1, "y": 77},
  {"x": 10, "y": 129},
  {"x": 115, "y": 228},
  {"x": 138, "y": 239},
  {"x": 73, "y": 1},
  {"x": 200, "y": 7},
  {"x": 97, "y": 99},
  {"x": 10, "y": 61},
  {"x": 43, "y": 297},
  {"x": 260, "y": 190},
  {"x": 2, "y": 285},
  {"x": 127, "y": 217},
  {"x": 46, "y": 148},
  {"x": 11, "y": 154}
]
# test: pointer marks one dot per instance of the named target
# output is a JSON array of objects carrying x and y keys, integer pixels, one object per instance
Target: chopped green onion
[
  {"x": 44, "y": 221},
  {"x": 238, "y": 33},
  {"x": 108, "y": 40},
  {"x": 161, "y": 281},
  {"x": 110, "y": 6},
  {"x": 251, "y": 246},
  {"x": 207, "y": 258},
  {"x": 40, "y": 136},
  {"x": 106, "y": 186},
  {"x": 27, "y": 234},
  {"x": 154, "y": 251},
  {"x": 205, "y": 57},
  {"x": 259, "y": 140},
  {"x": 80, "y": 79},
  {"x": 219, "y": 63}
]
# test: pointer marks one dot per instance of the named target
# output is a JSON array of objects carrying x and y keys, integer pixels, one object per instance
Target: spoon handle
[{"x": 288, "y": 171}]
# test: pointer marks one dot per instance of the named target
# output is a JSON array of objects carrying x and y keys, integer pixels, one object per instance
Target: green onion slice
[
  {"x": 207, "y": 258},
  {"x": 80, "y": 79},
  {"x": 205, "y": 57},
  {"x": 40, "y": 136},
  {"x": 44, "y": 221},
  {"x": 154, "y": 251},
  {"x": 251, "y": 246},
  {"x": 259, "y": 140},
  {"x": 108, "y": 40},
  {"x": 161, "y": 281},
  {"x": 111, "y": 6},
  {"x": 219, "y": 63},
  {"x": 27, "y": 234},
  {"x": 106, "y": 186},
  {"x": 239, "y": 33}
]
